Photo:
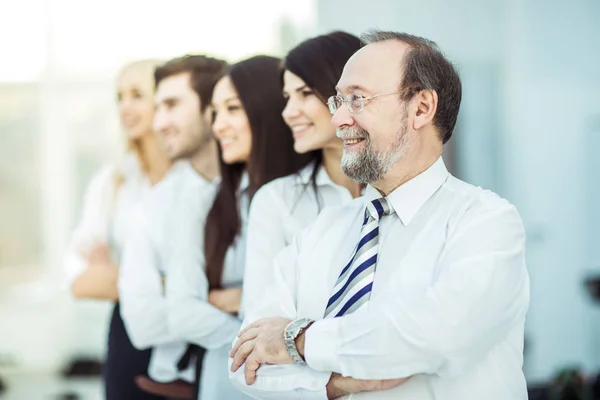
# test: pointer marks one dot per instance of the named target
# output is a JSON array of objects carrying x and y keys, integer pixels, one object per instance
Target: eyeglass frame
[{"x": 346, "y": 100}]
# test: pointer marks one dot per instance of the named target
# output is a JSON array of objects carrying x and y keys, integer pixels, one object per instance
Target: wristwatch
[{"x": 291, "y": 332}]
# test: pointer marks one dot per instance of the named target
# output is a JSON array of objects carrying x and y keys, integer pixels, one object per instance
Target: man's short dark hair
[
  {"x": 426, "y": 68},
  {"x": 204, "y": 73}
]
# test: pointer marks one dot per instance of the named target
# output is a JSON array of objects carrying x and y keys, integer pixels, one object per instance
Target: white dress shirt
[
  {"x": 448, "y": 303},
  {"x": 279, "y": 211},
  {"x": 144, "y": 266},
  {"x": 106, "y": 213},
  {"x": 189, "y": 314}
]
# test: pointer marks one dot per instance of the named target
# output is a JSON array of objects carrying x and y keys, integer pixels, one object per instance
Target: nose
[
  {"x": 160, "y": 121},
  {"x": 219, "y": 124},
  {"x": 342, "y": 117},
  {"x": 124, "y": 104},
  {"x": 290, "y": 111}
]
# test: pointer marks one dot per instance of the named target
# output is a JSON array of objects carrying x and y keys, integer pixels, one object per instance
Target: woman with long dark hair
[
  {"x": 255, "y": 146},
  {"x": 285, "y": 206}
]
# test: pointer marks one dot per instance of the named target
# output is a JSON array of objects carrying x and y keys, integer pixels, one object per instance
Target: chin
[
  {"x": 231, "y": 159},
  {"x": 136, "y": 133},
  {"x": 302, "y": 148},
  {"x": 175, "y": 155}
]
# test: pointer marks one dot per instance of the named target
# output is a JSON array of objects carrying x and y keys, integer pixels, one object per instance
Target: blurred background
[{"x": 529, "y": 129}]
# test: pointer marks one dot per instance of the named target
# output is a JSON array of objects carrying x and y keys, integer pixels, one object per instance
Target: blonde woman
[{"x": 92, "y": 261}]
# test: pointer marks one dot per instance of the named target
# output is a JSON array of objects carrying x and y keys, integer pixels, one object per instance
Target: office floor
[
  {"x": 45, "y": 328},
  {"x": 22, "y": 385}
]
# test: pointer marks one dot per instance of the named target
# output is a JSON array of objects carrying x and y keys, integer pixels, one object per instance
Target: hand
[
  {"x": 227, "y": 300},
  {"x": 260, "y": 343},
  {"x": 339, "y": 386},
  {"x": 97, "y": 254}
]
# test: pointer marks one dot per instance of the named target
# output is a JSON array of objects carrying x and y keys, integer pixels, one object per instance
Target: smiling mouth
[
  {"x": 226, "y": 143},
  {"x": 349, "y": 142},
  {"x": 300, "y": 129},
  {"x": 128, "y": 123}
]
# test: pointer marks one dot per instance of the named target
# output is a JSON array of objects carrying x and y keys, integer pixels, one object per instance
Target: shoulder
[
  {"x": 337, "y": 218},
  {"x": 281, "y": 186},
  {"x": 178, "y": 179},
  {"x": 278, "y": 193},
  {"x": 181, "y": 189},
  {"x": 104, "y": 181},
  {"x": 473, "y": 205}
]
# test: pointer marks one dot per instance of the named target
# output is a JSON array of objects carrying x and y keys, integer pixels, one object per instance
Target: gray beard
[{"x": 369, "y": 166}]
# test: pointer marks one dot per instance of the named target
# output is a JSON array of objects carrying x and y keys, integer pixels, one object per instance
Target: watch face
[{"x": 295, "y": 326}]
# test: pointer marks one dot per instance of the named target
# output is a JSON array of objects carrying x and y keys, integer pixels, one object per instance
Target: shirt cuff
[
  {"x": 284, "y": 381},
  {"x": 321, "y": 344}
]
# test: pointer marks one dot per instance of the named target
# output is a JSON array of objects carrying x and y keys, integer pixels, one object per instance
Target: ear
[{"x": 426, "y": 102}]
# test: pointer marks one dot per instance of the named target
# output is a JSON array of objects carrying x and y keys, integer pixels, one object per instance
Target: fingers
[
  {"x": 213, "y": 297},
  {"x": 390, "y": 383},
  {"x": 252, "y": 365},
  {"x": 255, "y": 324},
  {"x": 241, "y": 355},
  {"x": 378, "y": 384},
  {"x": 97, "y": 255},
  {"x": 249, "y": 335}
]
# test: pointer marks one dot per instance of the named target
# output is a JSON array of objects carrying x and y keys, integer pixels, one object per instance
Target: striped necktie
[{"x": 353, "y": 286}]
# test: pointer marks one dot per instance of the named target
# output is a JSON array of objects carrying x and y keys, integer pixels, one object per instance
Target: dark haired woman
[
  {"x": 285, "y": 206},
  {"x": 256, "y": 146}
]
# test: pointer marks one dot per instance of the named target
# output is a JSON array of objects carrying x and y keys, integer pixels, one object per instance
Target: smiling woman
[
  {"x": 230, "y": 125},
  {"x": 284, "y": 207}
]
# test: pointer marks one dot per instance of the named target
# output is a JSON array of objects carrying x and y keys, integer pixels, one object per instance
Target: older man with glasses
[{"x": 419, "y": 289}]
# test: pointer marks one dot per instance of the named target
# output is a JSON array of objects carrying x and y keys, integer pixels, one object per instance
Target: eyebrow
[
  {"x": 352, "y": 88},
  {"x": 227, "y": 100},
  {"x": 298, "y": 89},
  {"x": 167, "y": 100}
]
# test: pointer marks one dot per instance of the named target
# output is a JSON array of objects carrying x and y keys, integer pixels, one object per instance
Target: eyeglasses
[{"x": 354, "y": 102}]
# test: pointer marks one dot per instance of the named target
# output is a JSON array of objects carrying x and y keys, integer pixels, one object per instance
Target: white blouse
[
  {"x": 106, "y": 213},
  {"x": 279, "y": 211}
]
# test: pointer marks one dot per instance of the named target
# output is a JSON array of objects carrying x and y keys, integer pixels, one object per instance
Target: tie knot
[{"x": 379, "y": 207}]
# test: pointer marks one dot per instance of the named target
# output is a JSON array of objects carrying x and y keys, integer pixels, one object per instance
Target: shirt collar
[
  {"x": 322, "y": 178},
  {"x": 186, "y": 167},
  {"x": 244, "y": 182},
  {"x": 408, "y": 198}
]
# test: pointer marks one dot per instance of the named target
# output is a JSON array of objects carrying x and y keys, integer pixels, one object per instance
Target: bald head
[
  {"x": 374, "y": 69},
  {"x": 420, "y": 65}
]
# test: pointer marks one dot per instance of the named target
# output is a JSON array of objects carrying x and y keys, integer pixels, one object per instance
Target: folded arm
[
  {"x": 281, "y": 381},
  {"x": 265, "y": 240},
  {"x": 480, "y": 293},
  {"x": 190, "y": 315},
  {"x": 93, "y": 277},
  {"x": 143, "y": 304}
]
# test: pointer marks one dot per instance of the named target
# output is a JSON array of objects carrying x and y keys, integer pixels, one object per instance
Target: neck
[
  {"x": 154, "y": 158},
  {"x": 332, "y": 162},
  {"x": 205, "y": 161},
  {"x": 417, "y": 161}
]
